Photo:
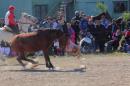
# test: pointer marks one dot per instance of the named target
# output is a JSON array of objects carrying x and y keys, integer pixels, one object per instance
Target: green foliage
[
  {"x": 126, "y": 16},
  {"x": 0, "y": 24},
  {"x": 101, "y": 6}
]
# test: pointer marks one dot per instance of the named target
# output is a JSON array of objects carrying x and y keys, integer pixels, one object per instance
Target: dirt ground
[{"x": 101, "y": 70}]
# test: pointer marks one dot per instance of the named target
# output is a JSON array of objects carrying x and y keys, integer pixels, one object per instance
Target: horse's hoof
[
  {"x": 82, "y": 66},
  {"x": 28, "y": 66},
  {"x": 34, "y": 65},
  {"x": 51, "y": 69},
  {"x": 31, "y": 66},
  {"x": 36, "y": 60}
]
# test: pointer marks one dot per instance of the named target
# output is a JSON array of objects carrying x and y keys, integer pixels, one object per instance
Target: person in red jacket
[{"x": 10, "y": 19}]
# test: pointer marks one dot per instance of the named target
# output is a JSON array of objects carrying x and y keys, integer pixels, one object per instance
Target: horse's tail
[
  {"x": 13, "y": 44},
  {"x": 12, "y": 52}
]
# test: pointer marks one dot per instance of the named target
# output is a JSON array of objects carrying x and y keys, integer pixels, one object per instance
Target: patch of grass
[{"x": 101, "y": 6}]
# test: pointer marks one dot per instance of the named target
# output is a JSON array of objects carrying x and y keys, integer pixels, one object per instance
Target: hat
[
  {"x": 76, "y": 12},
  {"x": 11, "y": 7}
]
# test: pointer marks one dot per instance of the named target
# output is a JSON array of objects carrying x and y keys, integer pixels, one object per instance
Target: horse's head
[
  {"x": 55, "y": 34},
  {"x": 61, "y": 36},
  {"x": 63, "y": 39},
  {"x": 28, "y": 19}
]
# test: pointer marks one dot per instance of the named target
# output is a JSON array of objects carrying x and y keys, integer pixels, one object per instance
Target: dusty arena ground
[{"x": 101, "y": 70}]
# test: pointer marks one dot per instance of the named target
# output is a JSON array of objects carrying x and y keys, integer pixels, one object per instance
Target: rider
[{"x": 10, "y": 19}]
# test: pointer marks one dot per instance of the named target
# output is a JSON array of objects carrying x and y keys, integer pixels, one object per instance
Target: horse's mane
[
  {"x": 49, "y": 30},
  {"x": 54, "y": 30},
  {"x": 50, "y": 33}
]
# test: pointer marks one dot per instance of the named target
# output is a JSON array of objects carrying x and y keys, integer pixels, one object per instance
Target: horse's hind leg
[
  {"x": 21, "y": 57},
  {"x": 29, "y": 60}
]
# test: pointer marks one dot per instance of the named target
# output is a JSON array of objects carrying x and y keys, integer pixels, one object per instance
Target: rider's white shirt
[{"x": 6, "y": 18}]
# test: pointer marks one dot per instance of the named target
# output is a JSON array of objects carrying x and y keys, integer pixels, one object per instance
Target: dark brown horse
[{"x": 35, "y": 41}]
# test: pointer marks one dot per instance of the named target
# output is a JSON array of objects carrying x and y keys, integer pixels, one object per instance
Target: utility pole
[{"x": 65, "y": 5}]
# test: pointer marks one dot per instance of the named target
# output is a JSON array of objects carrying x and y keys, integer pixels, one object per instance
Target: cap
[
  {"x": 76, "y": 12},
  {"x": 11, "y": 7}
]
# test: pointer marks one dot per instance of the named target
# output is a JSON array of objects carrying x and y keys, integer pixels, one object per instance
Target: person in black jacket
[
  {"x": 91, "y": 27},
  {"x": 75, "y": 24},
  {"x": 100, "y": 35}
]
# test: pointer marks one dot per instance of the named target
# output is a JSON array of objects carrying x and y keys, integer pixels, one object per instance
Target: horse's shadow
[{"x": 80, "y": 70}]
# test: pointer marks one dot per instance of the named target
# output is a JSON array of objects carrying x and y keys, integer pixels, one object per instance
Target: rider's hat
[{"x": 11, "y": 7}]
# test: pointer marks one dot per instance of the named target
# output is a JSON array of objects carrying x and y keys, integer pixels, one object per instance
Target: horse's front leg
[{"x": 47, "y": 60}]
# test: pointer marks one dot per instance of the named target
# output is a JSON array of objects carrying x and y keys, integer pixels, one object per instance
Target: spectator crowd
[{"x": 91, "y": 34}]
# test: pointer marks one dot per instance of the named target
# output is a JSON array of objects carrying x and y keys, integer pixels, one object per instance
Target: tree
[
  {"x": 126, "y": 16},
  {"x": 101, "y": 6}
]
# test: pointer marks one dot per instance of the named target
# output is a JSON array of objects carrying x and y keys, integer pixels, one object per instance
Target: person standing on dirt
[
  {"x": 75, "y": 24},
  {"x": 100, "y": 35}
]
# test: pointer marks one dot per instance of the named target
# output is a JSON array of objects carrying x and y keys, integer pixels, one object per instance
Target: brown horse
[{"x": 35, "y": 41}]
